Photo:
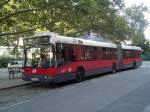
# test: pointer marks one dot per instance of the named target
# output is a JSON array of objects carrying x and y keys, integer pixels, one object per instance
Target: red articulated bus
[{"x": 50, "y": 57}]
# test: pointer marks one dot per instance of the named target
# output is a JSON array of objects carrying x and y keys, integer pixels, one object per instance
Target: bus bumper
[{"x": 37, "y": 78}]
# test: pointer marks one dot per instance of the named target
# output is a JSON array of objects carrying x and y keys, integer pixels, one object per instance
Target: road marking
[
  {"x": 145, "y": 66},
  {"x": 147, "y": 108},
  {"x": 19, "y": 103}
]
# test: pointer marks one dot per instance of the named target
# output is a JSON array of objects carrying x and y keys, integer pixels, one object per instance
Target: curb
[{"x": 10, "y": 87}]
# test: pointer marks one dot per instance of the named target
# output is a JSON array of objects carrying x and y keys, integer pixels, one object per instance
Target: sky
[{"x": 129, "y": 3}]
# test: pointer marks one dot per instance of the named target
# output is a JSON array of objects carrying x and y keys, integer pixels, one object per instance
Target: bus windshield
[{"x": 39, "y": 56}]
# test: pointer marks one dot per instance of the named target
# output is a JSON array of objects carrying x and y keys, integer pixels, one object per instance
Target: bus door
[
  {"x": 119, "y": 57},
  {"x": 64, "y": 53}
]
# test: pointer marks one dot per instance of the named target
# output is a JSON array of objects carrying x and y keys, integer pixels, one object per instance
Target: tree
[
  {"x": 66, "y": 17},
  {"x": 17, "y": 17},
  {"x": 137, "y": 24},
  {"x": 120, "y": 30}
]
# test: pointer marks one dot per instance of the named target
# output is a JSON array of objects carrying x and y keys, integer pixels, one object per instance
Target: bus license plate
[{"x": 34, "y": 79}]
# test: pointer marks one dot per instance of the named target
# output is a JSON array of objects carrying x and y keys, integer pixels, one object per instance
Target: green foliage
[
  {"x": 138, "y": 39},
  {"x": 4, "y": 61},
  {"x": 135, "y": 17},
  {"x": 19, "y": 18},
  {"x": 137, "y": 24}
]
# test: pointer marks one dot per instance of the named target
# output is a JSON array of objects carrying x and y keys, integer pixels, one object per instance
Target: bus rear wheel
[{"x": 79, "y": 74}]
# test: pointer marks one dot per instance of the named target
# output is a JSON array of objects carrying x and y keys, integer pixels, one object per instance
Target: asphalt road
[{"x": 126, "y": 91}]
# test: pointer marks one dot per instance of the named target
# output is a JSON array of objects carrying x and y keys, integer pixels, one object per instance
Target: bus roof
[
  {"x": 131, "y": 47},
  {"x": 55, "y": 38},
  {"x": 71, "y": 40}
]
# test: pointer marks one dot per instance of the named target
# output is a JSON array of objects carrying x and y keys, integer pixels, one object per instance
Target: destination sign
[{"x": 37, "y": 40}]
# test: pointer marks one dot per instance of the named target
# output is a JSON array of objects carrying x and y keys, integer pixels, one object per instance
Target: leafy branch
[
  {"x": 5, "y": 2},
  {"x": 21, "y": 32},
  {"x": 18, "y": 12}
]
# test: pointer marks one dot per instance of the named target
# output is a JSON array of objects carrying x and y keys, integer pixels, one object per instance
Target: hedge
[
  {"x": 4, "y": 61},
  {"x": 146, "y": 56}
]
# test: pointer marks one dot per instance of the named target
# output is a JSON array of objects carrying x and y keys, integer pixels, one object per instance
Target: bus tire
[
  {"x": 79, "y": 74},
  {"x": 113, "y": 68}
]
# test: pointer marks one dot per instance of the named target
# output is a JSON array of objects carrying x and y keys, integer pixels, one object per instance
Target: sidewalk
[{"x": 6, "y": 83}]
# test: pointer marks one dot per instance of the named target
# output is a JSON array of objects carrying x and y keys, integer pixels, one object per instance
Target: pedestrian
[{"x": 11, "y": 73}]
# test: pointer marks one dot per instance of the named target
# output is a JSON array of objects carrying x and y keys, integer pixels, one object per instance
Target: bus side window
[
  {"x": 104, "y": 53},
  {"x": 100, "y": 52},
  {"x": 69, "y": 54}
]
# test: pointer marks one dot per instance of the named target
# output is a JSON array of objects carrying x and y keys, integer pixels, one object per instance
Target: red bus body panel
[
  {"x": 131, "y": 60},
  {"x": 69, "y": 68}
]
